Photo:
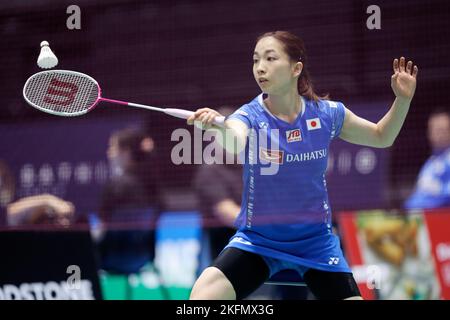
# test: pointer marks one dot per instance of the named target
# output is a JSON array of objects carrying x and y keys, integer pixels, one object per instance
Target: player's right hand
[{"x": 203, "y": 118}]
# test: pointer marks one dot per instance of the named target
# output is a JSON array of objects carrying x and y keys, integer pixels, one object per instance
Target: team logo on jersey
[
  {"x": 263, "y": 125},
  {"x": 274, "y": 156},
  {"x": 313, "y": 124},
  {"x": 293, "y": 135}
]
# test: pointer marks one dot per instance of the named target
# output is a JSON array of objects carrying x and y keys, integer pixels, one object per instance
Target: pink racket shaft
[{"x": 174, "y": 112}]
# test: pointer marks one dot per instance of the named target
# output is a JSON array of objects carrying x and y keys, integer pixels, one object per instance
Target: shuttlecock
[{"x": 47, "y": 58}]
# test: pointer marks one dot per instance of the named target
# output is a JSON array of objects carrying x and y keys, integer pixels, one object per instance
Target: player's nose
[{"x": 260, "y": 71}]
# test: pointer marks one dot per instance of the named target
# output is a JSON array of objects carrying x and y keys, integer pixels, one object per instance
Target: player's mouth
[{"x": 262, "y": 80}]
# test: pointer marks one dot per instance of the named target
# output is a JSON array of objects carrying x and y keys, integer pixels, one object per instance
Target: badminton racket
[{"x": 69, "y": 93}]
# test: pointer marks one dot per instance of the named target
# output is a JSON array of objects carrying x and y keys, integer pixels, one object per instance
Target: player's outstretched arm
[
  {"x": 233, "y": 135},
  {"x": 358, "y": 130}
]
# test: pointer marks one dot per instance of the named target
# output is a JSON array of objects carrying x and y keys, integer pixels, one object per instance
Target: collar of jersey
[{"x": 262, "y": 104}]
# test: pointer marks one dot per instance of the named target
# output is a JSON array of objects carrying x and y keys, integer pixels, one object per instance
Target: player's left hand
[{"x": 403, "y": 81}]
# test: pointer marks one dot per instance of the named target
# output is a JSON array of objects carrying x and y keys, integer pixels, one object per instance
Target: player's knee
[{"x": 212, "y": 285}]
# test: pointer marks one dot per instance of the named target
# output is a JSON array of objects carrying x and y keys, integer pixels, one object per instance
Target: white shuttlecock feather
[{"x": 47, "y": 58}]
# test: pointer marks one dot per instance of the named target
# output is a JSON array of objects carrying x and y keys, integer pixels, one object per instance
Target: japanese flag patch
[{"x": 313, "y": 124}]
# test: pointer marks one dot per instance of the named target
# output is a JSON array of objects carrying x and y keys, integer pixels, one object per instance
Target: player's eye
[{"x": 271, "y": 59}]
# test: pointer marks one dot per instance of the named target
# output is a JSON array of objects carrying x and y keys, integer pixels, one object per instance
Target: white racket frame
[{"x": 174, "y": 112}]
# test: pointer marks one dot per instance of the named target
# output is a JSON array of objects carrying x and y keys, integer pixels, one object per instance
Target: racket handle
[{"x": 184, "y": 114}]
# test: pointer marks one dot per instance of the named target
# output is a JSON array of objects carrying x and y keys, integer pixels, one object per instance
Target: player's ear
[{"x": 297, "y": 69}]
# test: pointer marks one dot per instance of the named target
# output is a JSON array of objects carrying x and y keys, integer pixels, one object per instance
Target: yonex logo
[
  {"x": 263, "y": 125},
  {"x": 333, "y": 260}
]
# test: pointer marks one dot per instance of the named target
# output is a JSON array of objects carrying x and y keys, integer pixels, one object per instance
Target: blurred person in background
[
  {"x": 40, "y": 209},
  {"x": 33, "y": 210},
  {"x": 432, "y": 188},
  {"x": 7, "y": 189},
  {"x": 218, "y": 187},
  {"x": 130, "y": 203}
]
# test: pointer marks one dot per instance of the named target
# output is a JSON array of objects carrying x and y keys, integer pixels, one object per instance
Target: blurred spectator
[
  {"x": 219, "y": 201},
  {"x": 134, "y": 182},
  {"x": 40, "y": 209},
  {"x": 32, "y": 210},
  {"x": 7, "y": 189},
  {"x": 130, "y": 203},
  {"x": 432, "y": 189},
  {"x": 219, "y": 188}
]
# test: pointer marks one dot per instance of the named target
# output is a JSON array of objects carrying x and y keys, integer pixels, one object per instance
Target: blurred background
[{"x": 192, "y": 54}]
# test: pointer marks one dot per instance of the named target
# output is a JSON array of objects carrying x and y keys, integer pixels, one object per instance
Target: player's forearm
[
  {"x": 24, "y": 214},
  {"x": 389, "y": 126},
  {"x": 27, "y": 203}
]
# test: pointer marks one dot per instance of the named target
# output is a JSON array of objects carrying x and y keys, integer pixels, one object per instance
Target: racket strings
[{"x": 62, "y": 92}]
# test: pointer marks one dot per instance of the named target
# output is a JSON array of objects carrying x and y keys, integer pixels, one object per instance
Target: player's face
[
  {"x": 439, "y": 131},
  {"x": 272, "y": 68}
]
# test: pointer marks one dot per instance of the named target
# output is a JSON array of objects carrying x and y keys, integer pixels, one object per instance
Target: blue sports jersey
[{"x": 286, "y": 215}]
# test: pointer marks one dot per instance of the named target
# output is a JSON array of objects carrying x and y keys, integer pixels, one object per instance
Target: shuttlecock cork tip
[{"x": 44, "y": 43}]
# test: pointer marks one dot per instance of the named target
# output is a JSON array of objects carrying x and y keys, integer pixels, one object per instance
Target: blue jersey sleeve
[
  {"x": 337, "y": 113},
  {"x": 243, "y": 114}
]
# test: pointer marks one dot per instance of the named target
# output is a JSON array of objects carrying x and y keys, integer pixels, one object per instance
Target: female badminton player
[{"x": 295, "y": 201}]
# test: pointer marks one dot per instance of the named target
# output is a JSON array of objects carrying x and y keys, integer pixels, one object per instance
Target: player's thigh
[
  {"x": 331, "y": 285},
  {"x": 212, "y": 285},
  {"x": 245, "y": 270}
]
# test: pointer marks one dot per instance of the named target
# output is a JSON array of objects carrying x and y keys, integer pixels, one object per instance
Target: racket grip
[{"x": 184, "y": 114}]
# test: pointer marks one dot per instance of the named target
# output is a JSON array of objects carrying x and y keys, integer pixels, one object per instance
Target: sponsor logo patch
[
  {"x": 293, "y": 135},
  {"x": 274, "y": 156}
]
